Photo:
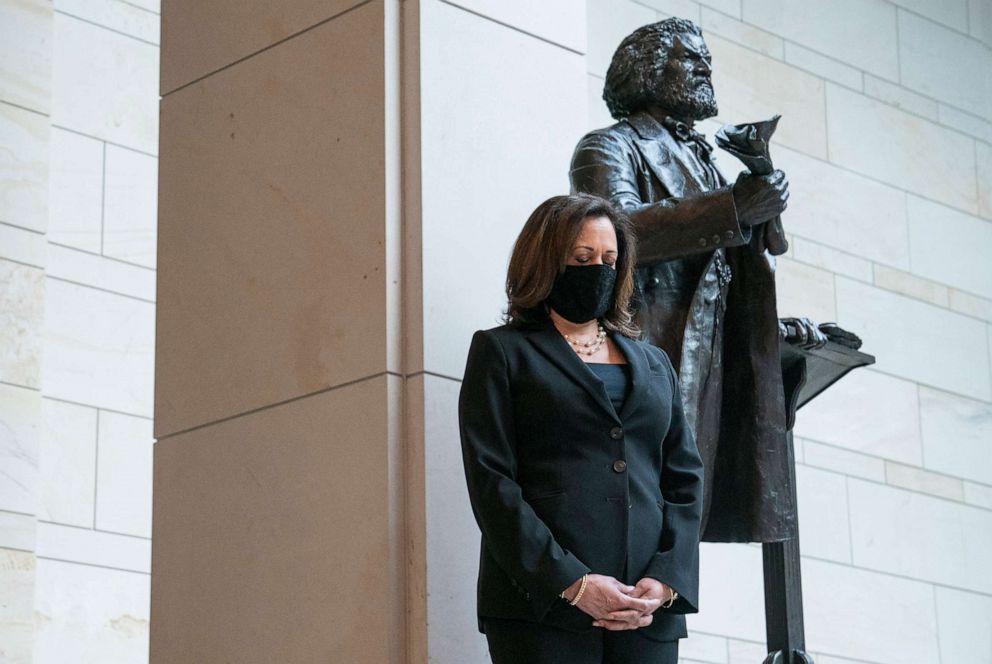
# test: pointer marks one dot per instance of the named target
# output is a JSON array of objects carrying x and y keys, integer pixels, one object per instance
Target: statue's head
[{"x": 662, "y": 64}]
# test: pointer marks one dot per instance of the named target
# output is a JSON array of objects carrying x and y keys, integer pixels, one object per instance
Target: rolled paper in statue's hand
[{"x": 749, "y": 143}]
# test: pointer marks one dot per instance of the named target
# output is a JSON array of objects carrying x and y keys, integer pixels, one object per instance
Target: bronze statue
[{"x": 706, "y": 271}]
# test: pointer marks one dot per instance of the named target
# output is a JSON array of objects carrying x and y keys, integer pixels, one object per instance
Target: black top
[{"x": 616, "y": 378}]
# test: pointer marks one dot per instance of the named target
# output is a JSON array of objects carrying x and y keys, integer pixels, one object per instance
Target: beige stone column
[{"x": 340, "y": 186}]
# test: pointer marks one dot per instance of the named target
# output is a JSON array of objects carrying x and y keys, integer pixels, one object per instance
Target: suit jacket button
[
  {"x": 702, "y": 242},
  {"x": 619, "y": 465},
  {"x": 716, "y": 239},
  {"x": 654, "y": 281},
  {"x": 730, "y": 235},
  {"x": 616, "y": 433}
]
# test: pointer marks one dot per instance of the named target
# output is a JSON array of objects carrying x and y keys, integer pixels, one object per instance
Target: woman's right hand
[{"x": 606, "y": 600}]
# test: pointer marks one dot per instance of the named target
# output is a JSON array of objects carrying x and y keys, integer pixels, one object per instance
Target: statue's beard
[{"x": 687, "y": 103}]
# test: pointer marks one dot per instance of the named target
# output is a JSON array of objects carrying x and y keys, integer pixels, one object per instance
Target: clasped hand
[{"x": 617, "y": 606}]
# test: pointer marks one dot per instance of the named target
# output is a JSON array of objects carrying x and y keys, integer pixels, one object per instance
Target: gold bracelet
[
  {"x": 582, "y": 589},
  {"x": 671, "y": 600}
]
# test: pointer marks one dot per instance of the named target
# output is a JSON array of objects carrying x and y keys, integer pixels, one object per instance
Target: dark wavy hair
[
  {"x": 638, "y": 63},
  {"x": 543, "y": 248}
]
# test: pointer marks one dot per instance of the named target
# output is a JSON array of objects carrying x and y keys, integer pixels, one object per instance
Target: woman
[{"x": 582, "y": 472}]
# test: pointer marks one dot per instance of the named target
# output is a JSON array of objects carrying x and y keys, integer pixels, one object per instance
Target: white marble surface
[
  {"x": 844, "y": 210},
  {"x": 23, "y": 246},
  {"x": 823, "y": 65},
  {"x": 25, "y": 53},
  {"x": 898, "y": 96},
  {"x": 93, "y": 547},
  {"x": 98, "y": 348},
  {"x": 76, "y": 190},
  {"x": 965, "y": 622},
  {"x": 803, "y": 290},
  {"x": 18, "y": 531},
  {"x": 119, "y": 15},
  {"x": 957, "y": 435},
  {"x": 750, "y": 86},
  {"x": 719, "y": 23},
  {"x": 104, "y": 84},
  {"x": 843, "y": 461},
  {"x": 452, "y": 534},
  {"x": 130, "y": 206},
  {"x": 823, "y": 514},
  {"x": 610, "y": 22},
  {"x": 871, "y": 616},
  {"x": 952, "y": 13},
  {"x": 107, "y": 274},
  {"x": 950, "y": 246},
  {"x": 23, "y": 168},
  {"x": 542, "y": 108},
  {"x": 911, "y": 285},
  {"x": 22, "y": 292},
  {"x": 861, "y": 33},
  {"x": 924, "y": 481},
  {"x": 124, "y": 470},
  {"x": 901, "y": 149},
  {"x": 17, "y": 622},
  {"x": 820, "y": 255},
  {"x": 20, "y": 412},
  {"x": 68, "y": 463},
  {"x": 915, "y": 338},
  {"x": 945, "y": 64},
  {"x": 97, "y": 614},
  {"x": 920, "y": 536},
  {"x": 729, "y": 581},
  {"x": 847, "y": 415},
  {"x": 557, "y": 21}
]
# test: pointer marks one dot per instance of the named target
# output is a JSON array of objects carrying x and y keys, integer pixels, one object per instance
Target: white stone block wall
[
  {"x": 885, "y": 136},
  {"x": 78, "y": 146}
]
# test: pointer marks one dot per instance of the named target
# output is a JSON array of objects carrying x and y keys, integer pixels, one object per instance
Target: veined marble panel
[
  {"x": 124, "y": 472},
  {"x": 104, "y": 84},
  {"x": 866, "y": 411},
  {"x": 917, "y": 341},
  {"x": 99, "y": 348},
  {"x": 957, "y": 435},
  {"x": 76, "y": 191},
  {"x": 844, "y": 210},
  {"x": 22, "y": 296},
  {"x": 920, "y": 536},
  {"x": 945, "y": 64},
  {"x": 67, "y": 463},
  {"x": 23, "y": 168},
  {"x": 861, "y": 33},
  {"x": 130, "y": 206},
  {"x": 97, "y": 614},
  {"x": 901, "y": 149},
  {"x": 25, "y": 53}
]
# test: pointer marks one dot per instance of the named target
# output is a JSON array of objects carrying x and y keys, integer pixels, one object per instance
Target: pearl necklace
[{"x": 587, "y": 347}]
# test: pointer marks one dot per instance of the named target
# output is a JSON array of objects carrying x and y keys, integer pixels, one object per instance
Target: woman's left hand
[{"x": 646, "y": 588}]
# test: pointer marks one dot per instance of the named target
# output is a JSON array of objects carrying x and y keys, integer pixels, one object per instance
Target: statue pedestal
[{"x": 805, "y": 374}]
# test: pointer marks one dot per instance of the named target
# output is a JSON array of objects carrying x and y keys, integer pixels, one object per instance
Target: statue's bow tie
[{"x": 684, "y": 132}]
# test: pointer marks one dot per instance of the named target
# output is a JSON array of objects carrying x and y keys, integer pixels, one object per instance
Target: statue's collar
[{"x": 645, "y": 125}]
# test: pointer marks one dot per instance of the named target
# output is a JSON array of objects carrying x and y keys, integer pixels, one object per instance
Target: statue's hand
[
  {"x": 801, "y": 332},
  {"x": 760, "y": 197}
]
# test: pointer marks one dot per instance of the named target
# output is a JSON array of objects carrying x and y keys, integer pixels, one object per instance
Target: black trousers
[{"x": 522, "y": 642}]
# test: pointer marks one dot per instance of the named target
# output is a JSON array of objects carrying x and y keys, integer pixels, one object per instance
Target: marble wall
[
  {"x": 885, "y": 136},
  {"x": 78, "y": 162}
]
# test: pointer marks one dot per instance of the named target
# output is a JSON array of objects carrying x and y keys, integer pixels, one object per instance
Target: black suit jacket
[{"x": 541, "y": 444}]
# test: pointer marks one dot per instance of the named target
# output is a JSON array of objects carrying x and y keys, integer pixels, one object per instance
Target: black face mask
[{"x": 583, "y": 292}]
